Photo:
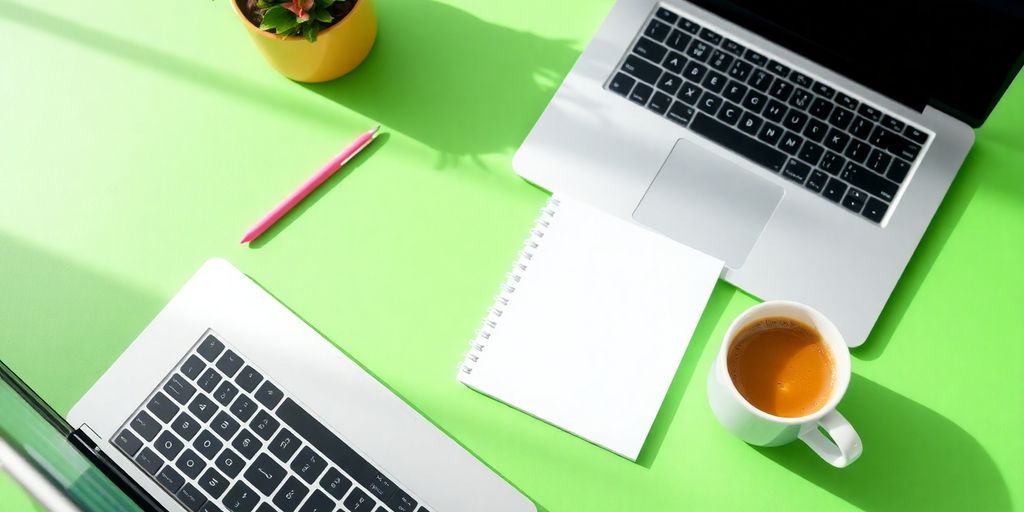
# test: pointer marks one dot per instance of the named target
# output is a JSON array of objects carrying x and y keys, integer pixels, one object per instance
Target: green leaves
[{"x": 281, "y": 17}]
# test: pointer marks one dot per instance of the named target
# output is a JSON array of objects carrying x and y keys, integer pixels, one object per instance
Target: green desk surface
[{"x": 141, "y": 138}]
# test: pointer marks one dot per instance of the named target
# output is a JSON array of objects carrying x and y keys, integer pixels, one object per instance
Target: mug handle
[{"x": 844, "y": 447}]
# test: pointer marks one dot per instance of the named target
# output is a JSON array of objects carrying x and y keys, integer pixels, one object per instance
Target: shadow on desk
[
  {"x": 914, "y": 459},
  {"x": 452, "y": 81}
]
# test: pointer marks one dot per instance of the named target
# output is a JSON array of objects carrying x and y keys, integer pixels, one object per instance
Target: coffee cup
[{"x": 763, "y": 345}]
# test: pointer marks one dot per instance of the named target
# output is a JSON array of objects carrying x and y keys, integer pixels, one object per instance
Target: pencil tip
[
  {"x": 375, "y": 130},
  {"x": 245, "y": 239}
]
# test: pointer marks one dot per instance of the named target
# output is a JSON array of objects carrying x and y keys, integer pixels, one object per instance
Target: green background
[{"x": 140, "y": 138}]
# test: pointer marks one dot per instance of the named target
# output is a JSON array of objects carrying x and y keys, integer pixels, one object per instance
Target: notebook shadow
[
  {"x": 914, "y": 458},
  {"x": 474, "y": 88},
  {"x": 354, "y": 164},
  {"x": 717, "y": 303},
  {"x": 952, "y": 209}
]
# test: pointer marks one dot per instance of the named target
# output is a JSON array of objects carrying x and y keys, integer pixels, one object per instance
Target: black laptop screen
[{"x": 957, "y": 55}]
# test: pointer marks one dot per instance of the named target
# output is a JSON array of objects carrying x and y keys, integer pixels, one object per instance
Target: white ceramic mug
[{"x": 757, "y": 427}]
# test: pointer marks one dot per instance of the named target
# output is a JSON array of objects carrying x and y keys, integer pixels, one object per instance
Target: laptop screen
[
  {"x": 39, "y": 439},
  {"x": 957, "y": 55}
]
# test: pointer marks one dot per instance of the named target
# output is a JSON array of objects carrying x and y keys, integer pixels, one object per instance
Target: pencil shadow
[
  {"x": 351, "y": 167},
  {"x": 468, "y": 89},
  {"x": 717, "y": 303},
  {"x": 914, "y": 458}
]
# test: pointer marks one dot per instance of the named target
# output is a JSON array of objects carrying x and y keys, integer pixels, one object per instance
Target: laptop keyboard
[
  {"x": 834, "y": 144},
  {"x": 217, "y": 434}
]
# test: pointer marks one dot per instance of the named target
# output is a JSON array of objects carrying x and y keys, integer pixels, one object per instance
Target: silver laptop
[
  {"x": 806, "y": 144},
  {"x": 228, "y": 401}
]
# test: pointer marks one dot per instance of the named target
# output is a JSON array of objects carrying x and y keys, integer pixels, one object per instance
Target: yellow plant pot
[{"x": 337, "y": 50}]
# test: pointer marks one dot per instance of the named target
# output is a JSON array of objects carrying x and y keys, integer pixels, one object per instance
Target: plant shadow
[
  {"x": 324, "y": 188},
  {"x": 914, "y": 458},
  {"x": 717, "y": 303},
  {"x": 473, "y": 88}
]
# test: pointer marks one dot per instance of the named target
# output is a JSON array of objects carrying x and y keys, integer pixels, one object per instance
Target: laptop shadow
[
  {"x": 474, "y": 88},
  {"x": 914, "y": 458}
]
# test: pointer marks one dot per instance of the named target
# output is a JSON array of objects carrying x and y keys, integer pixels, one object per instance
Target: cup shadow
[
  {"x": 914, "y": 458},
  {"x": 473, "y": 89}
]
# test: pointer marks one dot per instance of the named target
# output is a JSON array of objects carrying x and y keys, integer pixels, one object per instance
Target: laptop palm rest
[{"x": 709, "y": 203}]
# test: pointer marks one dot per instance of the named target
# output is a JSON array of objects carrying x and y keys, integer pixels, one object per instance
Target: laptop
[
  {"x": 806, "y": 144},
  {"x": 227, "y": 401}
]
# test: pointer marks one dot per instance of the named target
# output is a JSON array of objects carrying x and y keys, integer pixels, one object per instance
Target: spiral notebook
[{"x": 590, "y": 327}]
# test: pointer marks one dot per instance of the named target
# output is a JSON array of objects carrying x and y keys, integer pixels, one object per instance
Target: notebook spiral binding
[{"x": 508, "y": 289}]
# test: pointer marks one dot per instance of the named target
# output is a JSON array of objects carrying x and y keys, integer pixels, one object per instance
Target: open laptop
[
  {"x": 228, "y": 401},
  {"x": 806, "y": 144}
]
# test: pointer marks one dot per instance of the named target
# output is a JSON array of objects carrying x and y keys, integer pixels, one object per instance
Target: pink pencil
[{"x": 310, "y": 185}]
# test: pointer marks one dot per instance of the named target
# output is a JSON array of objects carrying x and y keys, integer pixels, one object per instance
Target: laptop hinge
[{"x": 86, "y": 441}]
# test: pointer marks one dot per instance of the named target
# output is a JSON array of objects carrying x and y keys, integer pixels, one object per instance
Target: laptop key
[
  {"x": 915, "y": 135},
  {"x": 202, "y": 408},
  {"x": 678, "y": 41},
  {"x": 213, "y": 483},
  {"x": 760, "y": 80},
  {"x": 209, "y": 506},
  {"x": 145, "y": 426},
  {"x": 178, "y": 388},
  {"x": 640, "y": 94},
  {"x": 621, "y": 84},
  {"x": 290, "y": 494},
  {"x": 168, "y": 445},
  {"x": 892, "y": 123},
  {"x": 749, "y": 124},
  {"x": 774, "y": 111},
  {"x": 861, "y": 127},
  {"x": 795, "y": 120},
  {"x": 747, "y": 147},
  {"x": 714, "y": 81},
  {"x": 284, "y": 445},
  {"x": 264, "y": 425},
  {"x": 823, "y": 90},
  {"x": 688, "y": 25},
  {"x": 735, "y": 91},
  {"x": 695, "y": 71},
  {"x": 740, "y": 70},
  {"x": 854, "y": 200},
  {"x": 247, "y": 444},
  {"x": 170, "y": 479},
  {"x": 359, "y": 501},
  {"x": 641, "y": 69},
  {"x": 209, "y": 380},
  {"x": 816, "y": 181},
  {"x": 857, "y": 151},
  {"x": 674, "y": 62},
  {"x": 229, "y": 463},
  {"x": 898, "y": 170},
  {"x": 666, "y": 15},
  {"x": 796, "y": 170},
  {"x": 191, "y": 464},
  {"x": 832, "y": 163},
  {"x": 265, "y": 475},
  {"x": 754, "y": 101},
  {"x": 335, "y": 483},
  {"x": 657, "y": 30},
  {"x": 192, "y": 367},
  {"x": 698, "y": 50},
  {"x": 815, "y": 130},
  {"x": 840, "y": 118},
  {"x": 755, "y": 57},
  {"x": 878, "y": 161},
  {"x": 224, "y": 426},
  {"x": 710, "y": 36},
  {"x": 650, "y": 50},
  {"x": 801, "y": 79},
  {"x": 191, "y": 498},
  {"x": 229, "y": 363},
  {"x": 162, "y": 407},
  {"x": 820, "y": 108},
  {"x": 770, "y": 133},
  {"x": 810, "y": 153},
  {"x": 836, "y": 140},
  {"x": 834, "y": 190},
  {"x": 875, "y": 209},
  {"x": 241, "y": 498},
  {"x": 185, "y": 426},
  {"x": 680, "y": 113},
  {"x": 243, "y": 408},
  {"x": 210, "y": 348},
  {"x": 128, "y": 442},
  {"x": 149, "y": 461},
  {"x": 207, "y": 444},
  {"x": 733, "y": 47},
  {"x": 800, "y": 99},
  {"x": 780, "y": 90},
  {"x": 846, "y": 101},
  {"x": 308, "y": 465},
  {"x": 729, "y": 114},
  {"x": 225, "y": 393},
  {"x": 709, "y": 103},
  {"x": 720, "y": 60},
  {"x": 689, "y": 93},
  {"x": 268, "y": 395},
  {"x": 869, "y": 181},
  {"x": 669, "y": 83},
  {"x": 869, "y": 112},
  {"x": 659, "y": 102},
  {"x": 318, "y": 502}
]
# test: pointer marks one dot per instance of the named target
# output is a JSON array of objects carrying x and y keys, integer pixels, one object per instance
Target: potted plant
[{"x": 310, "y": 40}]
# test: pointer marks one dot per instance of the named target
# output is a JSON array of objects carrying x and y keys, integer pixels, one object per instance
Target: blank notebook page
[{"x": 599, "y": 312}]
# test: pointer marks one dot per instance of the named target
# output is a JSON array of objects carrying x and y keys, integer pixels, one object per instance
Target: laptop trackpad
[{"x": 709, "y": 203}]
